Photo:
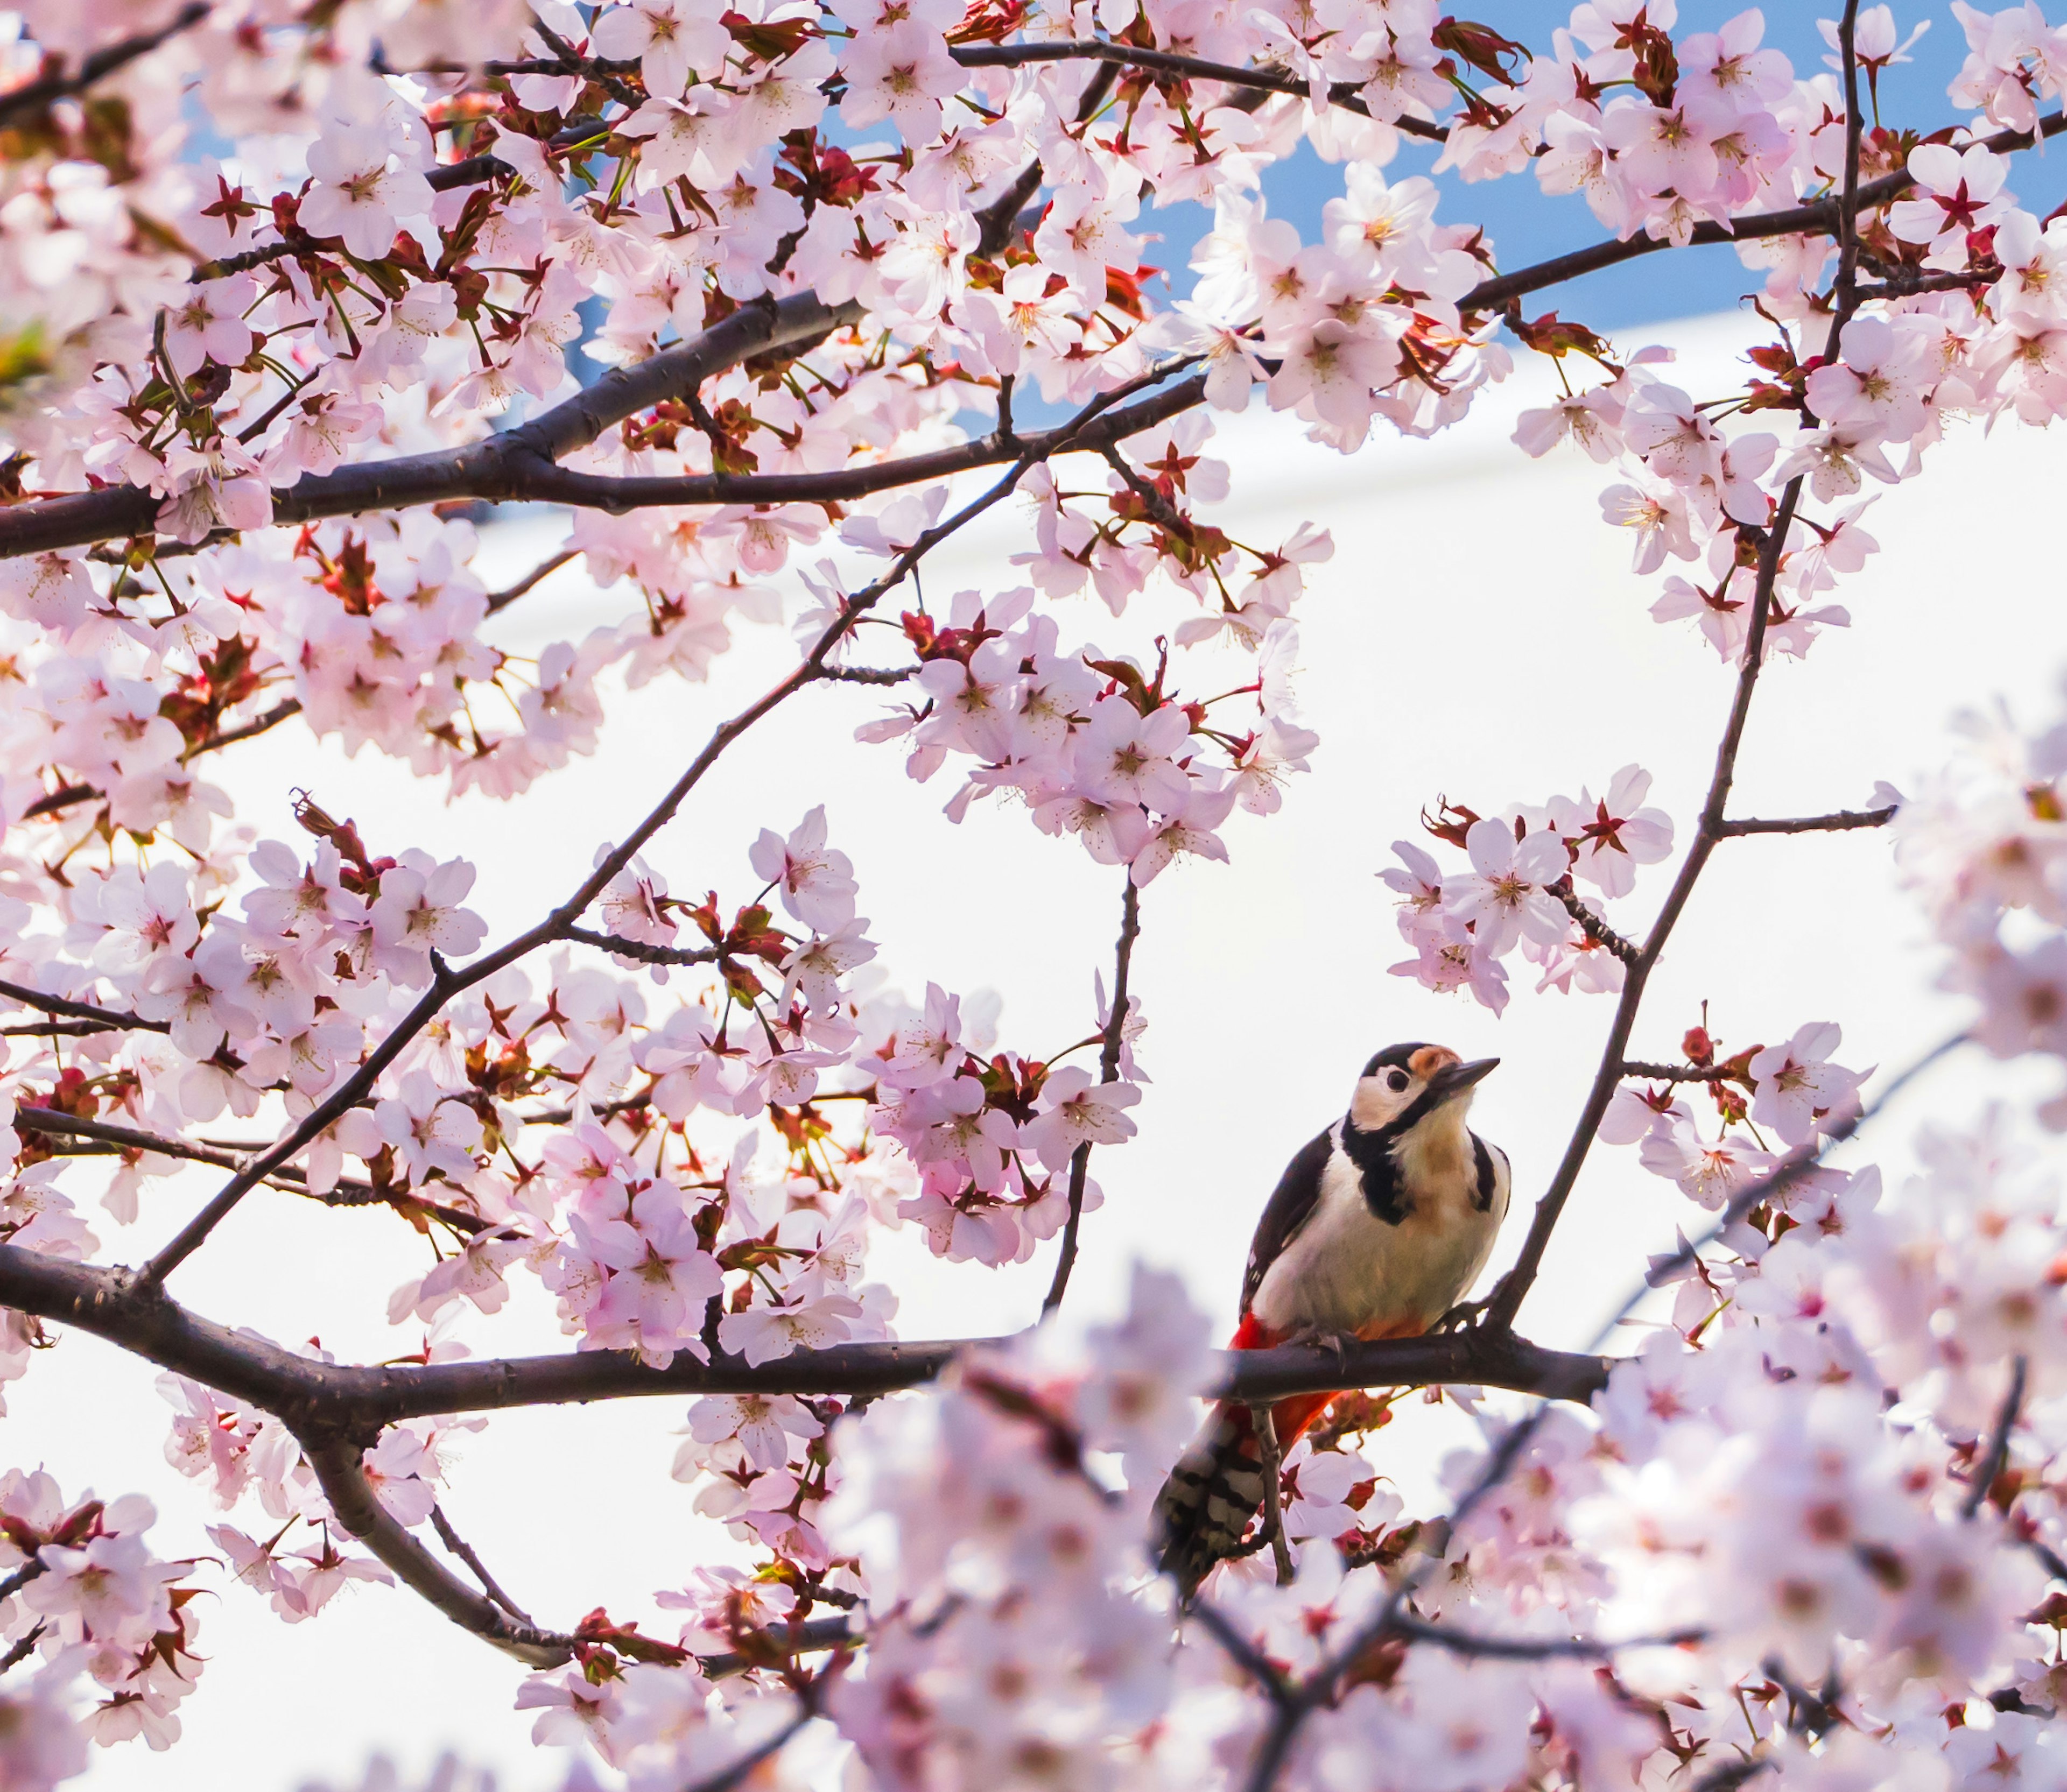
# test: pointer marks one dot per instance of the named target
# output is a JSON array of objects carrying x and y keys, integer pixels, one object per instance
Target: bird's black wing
[{"x": 1291, "y": 1204}]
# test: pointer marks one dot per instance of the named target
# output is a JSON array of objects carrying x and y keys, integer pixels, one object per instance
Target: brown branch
[
  {"x": 1834, "y": 823},
  {"x": 1115, "y": 1026},
  {"x": 448, "y": 983},
  {"x": 1508, "y": 1297},
  {"x": 1345, "y": 94},
  {"x": 72, "y": 794},
  {"x": 870, "y": 675},
  {"x": 313, "y": 1396},
  {"x": 465, "y": 1550},
  {"x": 23, "y": 1648},
  {"x": 1591, "y": 925},
  {"x": 1677, "y": 1072},
  {"x": 1819, "y": 218},
  {"x": 344, "y": 1194},
  {"x": 515, "y": 467},
  {"x": 1532, "y": 1649},
  {"x": 36, "y": 94},
  {"x": 641, "y": 949},
  {"x": 501, "y": 600},
  {"x": 110, "y": 1018},
  {"x": 1989, "y": 1470},
  {"x": 336, "y": 1461}
]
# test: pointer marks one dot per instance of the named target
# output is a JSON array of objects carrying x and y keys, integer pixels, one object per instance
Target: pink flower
[
  {"x": 1956, "y": 192},
  {"x": 417, "y": 913},
  {"x": 1503, "y": 898},
  {"x": 1799, "y": 1092},
  {"x": 673, "y": 40},
  {"x": 1077, "y": 1111},
  {"x": 761, "y": 1333},
  {"x": 362, "y": 190}
]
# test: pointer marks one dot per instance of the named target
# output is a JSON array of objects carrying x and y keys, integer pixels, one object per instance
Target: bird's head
[{"x": 1410, "y": 1085}]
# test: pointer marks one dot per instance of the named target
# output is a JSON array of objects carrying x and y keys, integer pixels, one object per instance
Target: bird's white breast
[{"x": 1347, "y": 1271}]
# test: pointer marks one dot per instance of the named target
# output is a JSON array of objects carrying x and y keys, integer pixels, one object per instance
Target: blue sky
[{"x": 1527, "y": 226}]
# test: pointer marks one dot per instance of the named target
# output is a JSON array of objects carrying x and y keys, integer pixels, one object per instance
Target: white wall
[{"x": 1478, "y": 634}]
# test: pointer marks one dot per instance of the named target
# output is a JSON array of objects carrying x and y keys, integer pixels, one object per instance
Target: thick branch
[
  {"x": 507, "y": 468},
  {"x": 314, "y": 1396}
]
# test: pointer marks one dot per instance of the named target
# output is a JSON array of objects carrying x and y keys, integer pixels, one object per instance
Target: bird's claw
[
  {"x": 1336, "y": 1344},
  {"x": 1470, "y": 1316}
]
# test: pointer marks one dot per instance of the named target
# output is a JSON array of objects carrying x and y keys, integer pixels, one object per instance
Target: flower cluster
[
  {"x": 104, "y": 1618},
  {"x": 1983, "y": 845},
  {"x": 1522, "y": 890}
]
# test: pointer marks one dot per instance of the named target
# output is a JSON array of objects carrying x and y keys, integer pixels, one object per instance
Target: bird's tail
[{"x": 1217, "y": 1489}]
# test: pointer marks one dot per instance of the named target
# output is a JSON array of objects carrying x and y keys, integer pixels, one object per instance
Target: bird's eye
[{"x": 1395, "y": 1080}]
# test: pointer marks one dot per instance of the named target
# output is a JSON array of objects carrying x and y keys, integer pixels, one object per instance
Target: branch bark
[
  {"x": 314, "y": 1396},
  {"x": 1508, "y": 1297},
  {"x": 1116, "y": 1027},
  {"x": 1834, "y": 823},
  {"x": 22, "y": 100}
]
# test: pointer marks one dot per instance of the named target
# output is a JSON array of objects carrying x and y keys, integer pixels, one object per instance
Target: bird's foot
[
  {"x": 1470, "y": 1316},
  {"x": 1336, "y": 1344}
]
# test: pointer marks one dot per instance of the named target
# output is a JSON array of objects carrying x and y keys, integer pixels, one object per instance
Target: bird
[{"x": 1377, "y": 1228}]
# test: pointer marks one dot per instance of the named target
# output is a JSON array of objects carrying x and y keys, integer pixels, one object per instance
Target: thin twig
[
  {"x": 1534, "y": 1648},
  {"x": 1591, "y": 925},
  {"x": 1507, "y": 1299},
  {"x": 97, "y": 66},
  {"x": 345, "y": 1193},
  {"x": 79, "y": 1011},
  {"x": 1989, "y": 1470},
  {"x": 502, "y": 599},
  {"x": 448, "y": 983},
  {"x": 642, "y": 950},
  {"x": 1115, "y": 1026},
  {"x": 1677, "y": 1072},
  {"x": 465, "y": 1550},
  {"x": 22, "y": 1649},
  {"x": 1835, "y": 823}
]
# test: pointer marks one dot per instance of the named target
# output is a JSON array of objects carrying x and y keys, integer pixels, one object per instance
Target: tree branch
[
  {"x": 1345, "y": 94},
  {"x": 313, "y": 1396},
  {"x": 344, "y": 1194},
  {"x": 1115, "y": 1025},
  {"x": 1818, "y": 217},
  {"x": 449, "y": 983},
  {"x": 37, "y": 95},
  {"x": 1591, "y": 925},
  {"x": 1988, "y": 1469},
  {"x": 1677, "y": 1073},
  {"x": 465, "y": 1550},
  {"x": 111, "y": 1018},
  {"x": 1508, "y": 1297},
  {"x": 641, "y": 949},
  {"x": 1834, "y": 823}
]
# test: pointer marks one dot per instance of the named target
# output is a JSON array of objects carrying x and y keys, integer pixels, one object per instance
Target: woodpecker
[{"x": 1377, "y": 1228}]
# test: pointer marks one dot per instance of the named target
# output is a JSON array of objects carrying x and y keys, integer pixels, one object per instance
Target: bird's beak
[{"x": 1451, "y": 1081}]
